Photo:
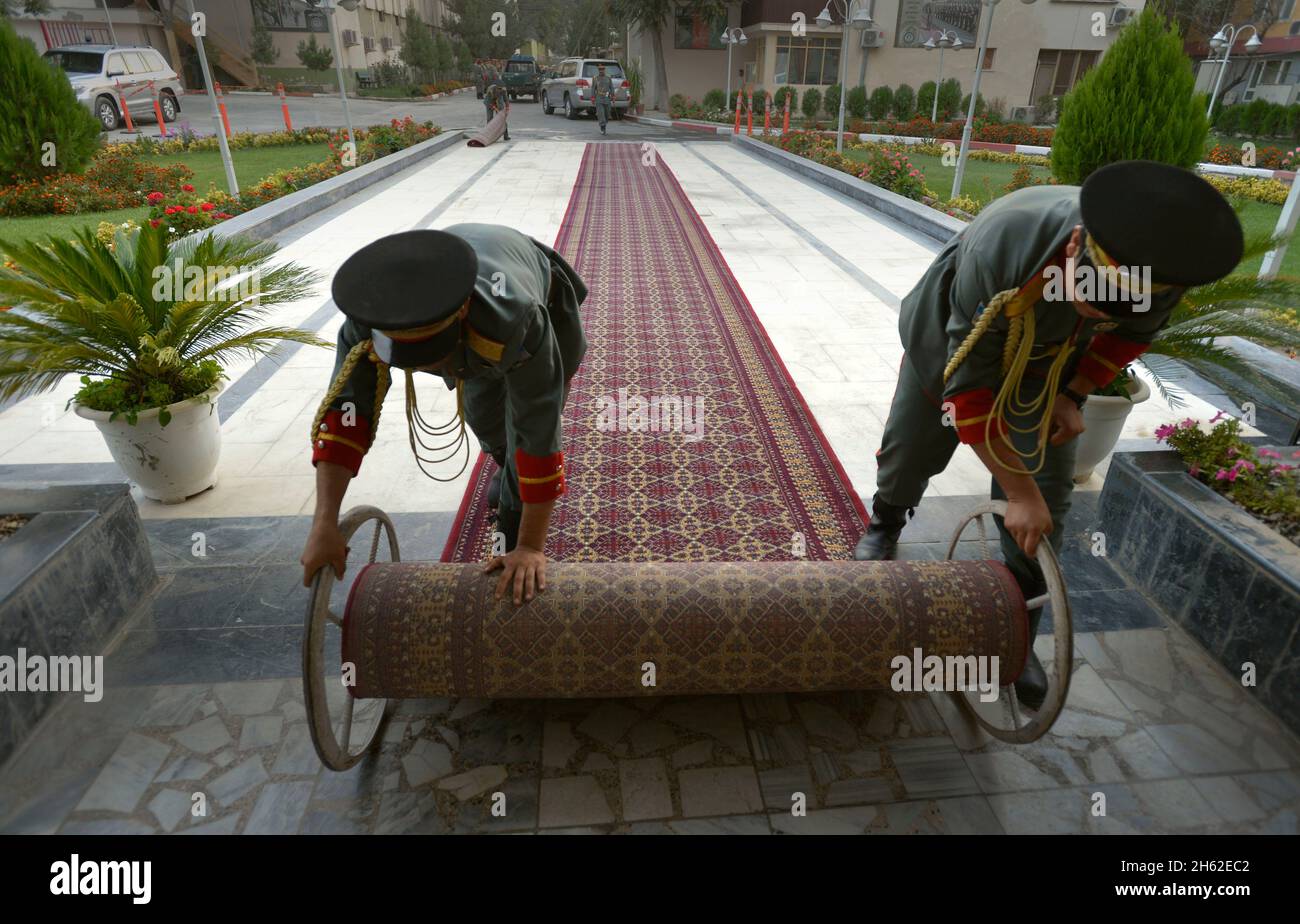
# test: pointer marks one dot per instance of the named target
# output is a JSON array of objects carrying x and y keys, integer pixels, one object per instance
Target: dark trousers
[{"x": 918, "y": 444}]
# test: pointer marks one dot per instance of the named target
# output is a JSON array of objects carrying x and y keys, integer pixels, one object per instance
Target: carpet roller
[{"x": 628, "y": 629}]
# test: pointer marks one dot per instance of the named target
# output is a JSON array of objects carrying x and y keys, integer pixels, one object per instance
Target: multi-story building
[
  {"x": 368, "y": 36},
  {"x": 1270, "y": 71},
  {"x": 1035, "y": 50}
]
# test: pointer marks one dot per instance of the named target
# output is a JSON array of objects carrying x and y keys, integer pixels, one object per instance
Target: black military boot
[
  {"x": 1031, "y": 686},
  {"x": 880, "y": 541}
]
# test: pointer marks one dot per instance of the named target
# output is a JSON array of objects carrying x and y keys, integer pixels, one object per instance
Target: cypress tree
[
  {"x": 37, "y": 107},
  {"x": 1137, "y": 104}
]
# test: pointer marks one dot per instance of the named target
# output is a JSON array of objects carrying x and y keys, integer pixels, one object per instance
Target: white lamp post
[
  {"x": 327, "y": 7},
  {"x": 731, "y": 37},
  {"x": 1223, "y": 41},
  {"x": 859, "y": 20},
  {"x": 231, "y": 183},
  {"x": 974, "y": 92},
  {"x": 946, "y": 40}
]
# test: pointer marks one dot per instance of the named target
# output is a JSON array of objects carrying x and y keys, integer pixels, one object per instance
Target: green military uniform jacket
[
  {"x": 603, "y": 85},
  {"x": 523, "y": 341},
  {"x": 1007, "y": 247}
]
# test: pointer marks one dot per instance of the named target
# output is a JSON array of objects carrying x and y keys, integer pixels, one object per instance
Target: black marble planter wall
[
  {"x": 68, "y": 580},
  {"x": 1230, "y": 581}
]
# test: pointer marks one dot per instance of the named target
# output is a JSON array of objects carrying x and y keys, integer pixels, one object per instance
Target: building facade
[
  {"x": 1034, "y": 49},
  {"x": 1270, "y": 72}
]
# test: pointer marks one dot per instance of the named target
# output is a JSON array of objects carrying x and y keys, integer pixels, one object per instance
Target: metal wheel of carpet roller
[
  {"x": 340, "y": 741},
  {"x": 1058, "y": 674}
]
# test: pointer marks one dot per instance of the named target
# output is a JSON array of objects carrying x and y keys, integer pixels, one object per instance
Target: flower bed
[
  {"x": 981, "y": 130},
  {"x": 1257, "y": 478},
  {"x": 113, "y": 180}
]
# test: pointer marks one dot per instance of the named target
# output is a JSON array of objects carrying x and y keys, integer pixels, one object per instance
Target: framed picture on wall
[
  {"x": 693, "y": 31},
  {"x": 919, "y": 20}
]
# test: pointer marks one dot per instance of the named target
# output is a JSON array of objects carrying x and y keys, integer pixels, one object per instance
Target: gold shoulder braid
[
  {"x": 414, "y": 422},
  {"x": 1017, "y": 305}
]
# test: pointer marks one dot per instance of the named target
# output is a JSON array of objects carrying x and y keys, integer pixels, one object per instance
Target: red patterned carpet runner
[{"x": 742, "y": 472}]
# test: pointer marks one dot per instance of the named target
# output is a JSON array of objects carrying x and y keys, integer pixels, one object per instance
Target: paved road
[{"x": 261, "y": 112}]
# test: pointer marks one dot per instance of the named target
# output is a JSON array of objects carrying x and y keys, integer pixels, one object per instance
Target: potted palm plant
[
  {"x": 147, "y": 324},
  {"x": 1239, "y": 305},
  {"x": 634, "y": 95}
]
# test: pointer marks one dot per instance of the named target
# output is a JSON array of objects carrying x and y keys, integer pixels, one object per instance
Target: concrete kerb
[
  {"x": 270, "y": 219},
  {"x": 930, "y": 222}
]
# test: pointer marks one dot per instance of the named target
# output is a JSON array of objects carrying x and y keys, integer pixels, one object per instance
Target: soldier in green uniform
[
  {"x": 1003, "y": 343},
  {"x": 495, "y": 314},
  {"x": 603, "y": 88},
  {"x": 497, "y": 100}
]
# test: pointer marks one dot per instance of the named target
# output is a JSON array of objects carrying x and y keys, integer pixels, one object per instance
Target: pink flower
[
  {"x": 1232, "y": 450},
  {"x": 1165, "y": 430},
  {"x": 1221, "y": 474},
  {"x": 1217, "y": 417},
  {"x": 1244, "y": 466},
  {"x": 1194, "y": 470},
  {"x": 1296, "y": 454},
  {"x": 1188, "y": 424},
  {"x": 1270, "y": 454}
]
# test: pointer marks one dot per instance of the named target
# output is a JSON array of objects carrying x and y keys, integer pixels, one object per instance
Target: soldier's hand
[
  {"x": 325, "y": 547},
  {"x": 1067, "y": 421},
  {"x": 523, "y": 567},
  {"x": 1028, "y": 520}
]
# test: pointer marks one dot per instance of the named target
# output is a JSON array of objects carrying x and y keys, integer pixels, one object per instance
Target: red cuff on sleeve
[
  {"x": 541, "y": 478},
  {"x": 970, "y": 411},
  {"x": 1106, "y": 356},
  {"x": 341, "y": 444}
]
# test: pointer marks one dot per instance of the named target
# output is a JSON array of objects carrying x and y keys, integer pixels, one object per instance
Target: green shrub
[
  {"x": 1229, "y": 119},
  {"x": 980, "y": 106},
  {"x": 949, "y": 98},
  {"x": 715, "y": 99},
  {"x": 857, "y": 102},
  {"x": 778, "y": 98},
  {"x": 831, "y": 100},
  {"x": 880, "y": 102},
  {"x": 761, "y": 97},
  {"x": 1137, "y": 104},
  {"x": 1254, "y": 119},
  {"x": 812, "y": 102},
  {"x": 904, "y": 102},
  {"x": 925, "y": 99},
  {"x": 38, "y": 107}
]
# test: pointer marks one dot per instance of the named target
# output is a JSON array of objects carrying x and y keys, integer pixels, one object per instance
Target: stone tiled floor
[{"x": 208, "y": 701}]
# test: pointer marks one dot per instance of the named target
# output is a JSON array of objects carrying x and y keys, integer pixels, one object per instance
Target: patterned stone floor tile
[
  {"x": 573, "y": 801},
  {"x": 719, "y": 791},
  {"x": 645, "y": 790},
  {"x": 279, "y": 808},
  {"x": 931, "y": 767},
  {"x": 127, "y": 775},
  {"x": 515, "y": 810},
  {"x": 782, "y": 785}
]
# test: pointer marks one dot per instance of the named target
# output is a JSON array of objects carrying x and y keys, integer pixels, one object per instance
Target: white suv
[
  {"x": 103, "y": 75},
  {"x": 571, "y": 88}
]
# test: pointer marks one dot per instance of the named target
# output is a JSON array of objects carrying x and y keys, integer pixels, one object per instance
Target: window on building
[
  {"x": 988, "y": 59},
  {"x": 811, "y": 60},
  {"x": 289, "y": 16},
  {"x": 1059, "y": 70}
]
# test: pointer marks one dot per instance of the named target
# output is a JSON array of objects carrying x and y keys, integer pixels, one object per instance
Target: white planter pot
[
  {"x": 1103, "y": 421},
  {"x": 169, "y": 463}
]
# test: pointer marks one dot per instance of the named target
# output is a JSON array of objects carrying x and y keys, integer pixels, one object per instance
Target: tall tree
[
  {"x": 32, "y": 7},
  {"x": 490, "y": 28},
  {"x": 418, "y": 48},
  {"x": 652, "y": 17}
]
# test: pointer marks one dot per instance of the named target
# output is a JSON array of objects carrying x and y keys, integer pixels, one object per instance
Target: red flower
[
  {"x": 224, "y": 215},
  {"x": 207, "y": 206},
  {"x": 187, "y": 187},
  {"x": 192, "y": 209},
  {"x": 171, "y": 209},
  {"x": 154, "y": 198},
  {"x": 155, "y": 222}
]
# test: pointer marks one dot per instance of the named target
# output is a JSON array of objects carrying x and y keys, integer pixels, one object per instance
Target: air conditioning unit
[
  {"x": 873, "y": 38},
  {"x": 1022, "y": 114},
  {"x": 349, "y": 36},
  {"x": 1120, "y": 15},
  {"x": 368, "y": 43},
  {"x": 386, "y": 43}
]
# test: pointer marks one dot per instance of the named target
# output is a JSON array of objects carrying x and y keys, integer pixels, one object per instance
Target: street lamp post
[
  {"x": 231, "y": 183},
  {"x": 946, "y": 40},
  {"x": 732, "y": 36},
  {"x": 1224, "y": 39},
  {"x": 328, "y": 7},
  {"x": 859, "y": 20},
  {"x": 974, "y": 93}
]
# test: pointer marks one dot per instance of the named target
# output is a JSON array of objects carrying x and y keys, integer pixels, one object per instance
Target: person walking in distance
[{"x": 603, "y": 87}]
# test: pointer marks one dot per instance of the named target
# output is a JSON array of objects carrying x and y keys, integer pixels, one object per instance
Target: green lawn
[
  {"x": 251, "y": 164},
  {"x": 985, "y": 180}
]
